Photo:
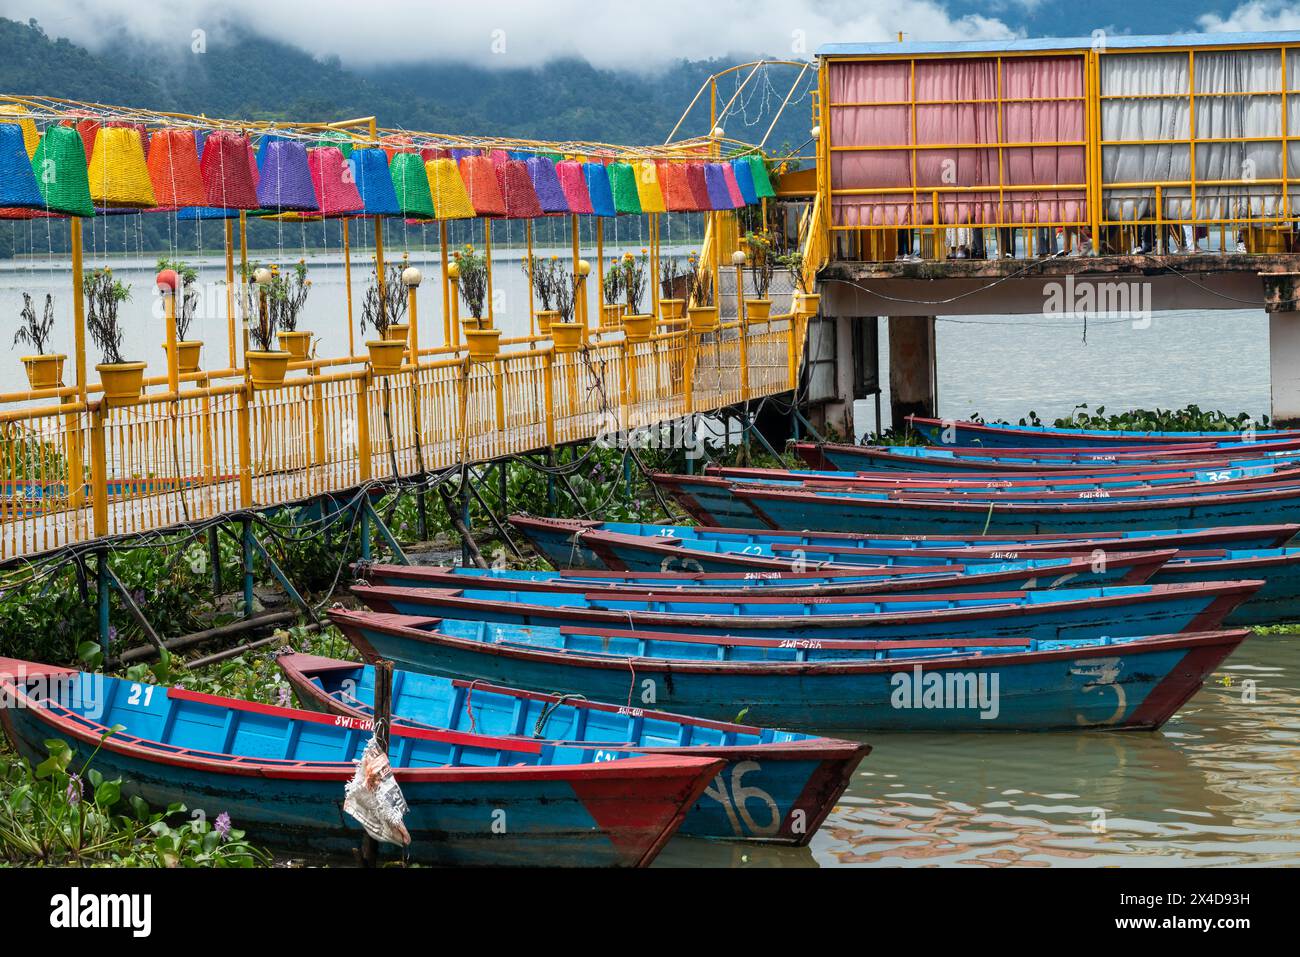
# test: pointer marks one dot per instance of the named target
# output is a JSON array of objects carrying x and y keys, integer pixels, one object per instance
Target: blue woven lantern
[
  {"x": 374, "y": 182},
  {"x": 745, "y": 180},
  {"x": 602, "y": 197},
  {"x": 547, "y": 183},
  {"x": 285, "y": 181},
  {"x": 17, "y": 181}
]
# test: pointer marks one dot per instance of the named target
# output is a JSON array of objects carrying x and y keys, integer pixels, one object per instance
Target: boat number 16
[{"x": 735, "y": 802}]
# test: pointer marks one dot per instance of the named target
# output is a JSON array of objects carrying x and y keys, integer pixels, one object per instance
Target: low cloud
[
  {"x": 514, "y": 33},
  {"x": 1258, "y": 16}
]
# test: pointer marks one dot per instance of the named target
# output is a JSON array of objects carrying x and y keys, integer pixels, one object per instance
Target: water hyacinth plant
[
  {"x": 35, "y": 332},
  {"x": 104, "y": 295}
]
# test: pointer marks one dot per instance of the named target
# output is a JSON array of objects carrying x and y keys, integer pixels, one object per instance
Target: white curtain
[{"x": 1247, "y": 113}]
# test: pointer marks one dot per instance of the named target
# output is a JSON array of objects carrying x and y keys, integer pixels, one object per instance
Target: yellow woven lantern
[
  {"x": 450, "y": 198},
  {"x": 647, "y": 187},
  {"x": 31, "y": 137},
  {"x": 119, "y": 175}
]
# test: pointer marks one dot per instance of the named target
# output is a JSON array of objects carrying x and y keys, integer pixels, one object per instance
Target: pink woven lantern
[
  {"x": 331, "y": 177},
  {"x": 574, "y": 183}
]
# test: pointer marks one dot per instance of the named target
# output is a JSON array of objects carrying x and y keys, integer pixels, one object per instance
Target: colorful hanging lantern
[
  {"x": 480, "y": 178},
  {"x": 622, "y": 184},
  {"x": 517, "y": 190},
  {"x": 61, "y": 172},
  {"x": 285, "y": 177},
  {"x": 458, "y": 153},
  {"x": 716, "y": 184},
  {"x": 698, "y": 182},
  {"x": 411, "y": 183},
  {"x": 499, "y": 157},
  {"x": 676, "y": 190},
  {"x": 341, "y": 141},
  {"x": 602, "y": 197},
  {"x": 450, "y": 199},
  {"x": 550, "y": 194},
  {"x": 733, "y": 187},
  {"x": 574, "y": 184},
  {"x": 649, "y": 193},
  {"x": 430, "y": 153},
  {"x": 174, "y": 169},
  {"x": 119, "y": 175},
  {"x": 228, "y": 167},
  {"x": 396, "y": 144},
  {"x": 744, "y": 180},
  {"x": 331, "y": 179},
  {"x": 370, "y": 167},
  {"x": 88, "y": 129},
  {"x": 762, "y": 182},
  {"x": 31, "y": 137},
  {"x": 8, "y": 213},
  {"x": 17, "y": 183}
]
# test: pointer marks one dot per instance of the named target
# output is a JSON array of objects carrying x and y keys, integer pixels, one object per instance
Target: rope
[{"x": 550, "y": 709}]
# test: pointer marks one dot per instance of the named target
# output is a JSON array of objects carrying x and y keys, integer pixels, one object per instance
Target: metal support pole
[{"x": 247, "y": 550}]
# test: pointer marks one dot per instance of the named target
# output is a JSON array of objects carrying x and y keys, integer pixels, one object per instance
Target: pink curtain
[{"x": 860, "y": 94}]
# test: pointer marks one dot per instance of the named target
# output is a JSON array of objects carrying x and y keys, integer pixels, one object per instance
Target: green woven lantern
[
  {"x": 341, "y": 140},
  {"x": 622, "y": 182},
  {"x": 411, "y": 184},
  {"x": 762, "y": 184},
  {"x": 61, "y": 172}
]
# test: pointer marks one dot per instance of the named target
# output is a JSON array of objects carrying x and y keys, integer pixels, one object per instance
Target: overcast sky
[{"x": 630, "y": 33}]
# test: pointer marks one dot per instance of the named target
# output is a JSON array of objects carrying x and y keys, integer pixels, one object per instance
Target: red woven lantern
[
  {"x": 699, "y": 186},
  {"x": 677, "y": 192},
  {"x": 574, "y": 184},
  {"x": 480, "y": 178},
  {"x": 517, "y": 190},
  {"x": 499, "y": 157},
  {"x": 228, "y": 169},
  {"x": 174, "y": 170}
]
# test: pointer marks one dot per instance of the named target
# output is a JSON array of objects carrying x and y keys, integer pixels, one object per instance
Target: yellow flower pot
[
  {"x": 806, "y": 304},
  {"x": 187, "y": 354},
  {"x": 672, "y": 308},
  {"x": 398, "y": 331},
  {"x": 756, "y": 310},
  {"x": 567, "y": 336},
  {"x": 470, "y": 324},
  {"x": 268, "y": 368},
  {"x": 386, "y": 355},
  {"x": 295, "y": 343},
  {"x": 122, "y": 381},
  {"x": 484, "y": 344},
  {"x": 638, "y": 328},
  {"x": 45, "y": 372},
  {"x": 544, "y": 319},
  {"x": 703, "y": 318},
  {"x": 611, "y": 313}
]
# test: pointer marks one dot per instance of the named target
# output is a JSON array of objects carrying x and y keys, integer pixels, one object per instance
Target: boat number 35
[{"x": 736, "y": 799}]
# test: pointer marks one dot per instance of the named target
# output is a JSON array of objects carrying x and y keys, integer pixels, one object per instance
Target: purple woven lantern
[
  {"x": 716, "y": 184},
  {"x": 285, "y": 178},
  {"x": 549, "y": 192}
]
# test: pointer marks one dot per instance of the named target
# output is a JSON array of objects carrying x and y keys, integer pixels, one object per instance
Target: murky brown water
[{"x": 1219, "y": 785}]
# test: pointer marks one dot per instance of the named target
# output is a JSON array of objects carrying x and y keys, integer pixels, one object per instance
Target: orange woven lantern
[
  {"x": 174, "y": 170},
  {"x": 119, "y": 175},
  {"x": 480, "y": 176},
  {"x": 676, "y": 191}
]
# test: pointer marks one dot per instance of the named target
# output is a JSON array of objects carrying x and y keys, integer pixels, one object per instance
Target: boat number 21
[{"x": 736, "y": 802}]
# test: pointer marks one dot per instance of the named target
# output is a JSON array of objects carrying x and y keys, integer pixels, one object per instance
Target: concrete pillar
[
  {"x": 912, "y": 386},
  {"x": 1280, "y": 293}
]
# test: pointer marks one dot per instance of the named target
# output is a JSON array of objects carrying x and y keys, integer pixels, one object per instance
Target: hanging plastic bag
[{"x": 374, "y": 799}]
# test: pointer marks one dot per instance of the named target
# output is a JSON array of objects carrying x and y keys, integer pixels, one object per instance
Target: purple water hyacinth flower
[
  {"x": 73, "y": 792},
  {"x": 222, "y": 825},
  {"x": 282, "y": 696}
]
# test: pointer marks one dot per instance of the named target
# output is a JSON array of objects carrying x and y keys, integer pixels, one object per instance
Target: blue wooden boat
[
  {"x": 1121, "y": 610},
  {"x": 993, "y": 462},
  {"x": 776, "y": 786},
  {"x": 279, "y": 773},
  {"x": 848, "y": 511},
  {"x": 578, "y": 543},
  {"x": 1277, "y": 602},
  {"x": 949, "y": 433},
  {"x": 984, "y": 684},
  {"x": 947, "y": 576}
]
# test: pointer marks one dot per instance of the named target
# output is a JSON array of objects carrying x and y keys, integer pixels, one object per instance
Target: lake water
[{"x": 1218, "y": 785}]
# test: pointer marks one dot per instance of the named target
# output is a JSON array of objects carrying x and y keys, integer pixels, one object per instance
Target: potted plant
[
  {"x": 484, "y": 344},
  {"x": 43, "y": 371},
  {"x": 286, "y": 295},
  {"x": 762, "y": 266},
  {"x": 378, "y": 312},
  {"x": 566, "y": 333},
  {"x": 637, "y": 325},
  {"x": 703, "y": 312},
  {"x": 804, "y": 303},
  {"x": 396, "y": 301},
  {"x": 671, "y": 277},
  {"x": 187, "y": 307},
  {"x": 266, "y": 364},
  {"x": 542, "y": 275},
  {"x": 121, "y": 380},
  {"x": 612, "y": 290}
]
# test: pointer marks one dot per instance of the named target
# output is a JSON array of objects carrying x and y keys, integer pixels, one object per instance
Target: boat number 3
[
  {"x": 140, "y": 694},
  {"x": 735, "y": 802}
]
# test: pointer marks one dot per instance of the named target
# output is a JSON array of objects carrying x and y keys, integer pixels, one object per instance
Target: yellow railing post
[
  {"x": 245, "y": 445},
  {"x": 548, "y": 386},
  {"x": 98, "y": 471},
  {"x": 363, "y": 427},
  {"x": 688, "y": 372}
]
